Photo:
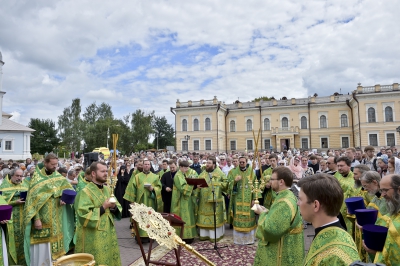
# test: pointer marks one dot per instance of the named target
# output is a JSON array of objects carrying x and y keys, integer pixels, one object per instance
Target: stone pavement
[{"x": 130, "y": 251}]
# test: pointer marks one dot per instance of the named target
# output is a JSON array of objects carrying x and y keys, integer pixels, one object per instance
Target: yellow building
[{"x": 366, "y": 117}]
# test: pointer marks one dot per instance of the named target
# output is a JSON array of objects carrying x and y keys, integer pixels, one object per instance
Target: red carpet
[{"x": 231, "y": 255}]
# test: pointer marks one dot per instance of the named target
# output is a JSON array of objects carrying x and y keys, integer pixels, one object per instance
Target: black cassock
[
  {"x": 119, "y": 192},
  {"x": 167, "y": 180}
]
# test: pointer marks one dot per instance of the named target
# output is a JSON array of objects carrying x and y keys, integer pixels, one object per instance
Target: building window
[
  {"x": 208, "y": 145},
  {"x": 373, "y": 139},
  {"x": 233, "y": 145},
  {"x": 390, "y": 139},
  {"x": 303, "y": 122},
  {"x": 185, "y": 146},
  {"x": 304, "y": 143},
  {"x": 208, "y": 123},
  {"x": 343, "y": 122},
  {"x": 8, "y": 145},
  {"x": 267, "y": 144},
  {"x": 196, "y": 145},
  {"x": 322, "y": 121},
  {"x": 249, "y": 125},
  {"x": 345, "y": 142},
  {"x": 371, "y": 116},
  {"x": 196, "y": 124},
  {"x": 324, "y": 143},
  {"x": 267, "y": 125},
  {"x": 249, "y": 144},
  {"x": 285, "y": 122},
  {"x": 232, "y": 126},
  {"x": 184, "y": 125},
  {"x": 388, "y": 114}
]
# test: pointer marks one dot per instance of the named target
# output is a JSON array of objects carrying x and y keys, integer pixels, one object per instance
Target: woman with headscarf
[
  {"x": 383, "y": 161},
  {"x": 123, "y": 180},
  {"x": 295, "y": 167}
]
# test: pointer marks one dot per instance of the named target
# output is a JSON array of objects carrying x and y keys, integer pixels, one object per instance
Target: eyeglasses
[
  {"x": 385, "y": 190},
  {"x": 281, "y": 164},
  {"x": 18, "y": 175}
]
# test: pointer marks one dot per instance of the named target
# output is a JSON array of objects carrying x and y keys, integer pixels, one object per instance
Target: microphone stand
[{"x": 215, "y": 220}]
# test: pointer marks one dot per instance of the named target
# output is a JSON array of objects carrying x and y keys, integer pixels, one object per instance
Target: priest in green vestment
[
  {"x": 95, "y": 232},
  {"x": 136, "y": 170},
  {"x": 11, "y": 188},
  {"x": 320, "y": 200},
  {"x": 345, "y": 177},
  {"x": 145, "y": 187},
  {"x": 84, "y": 178},
  {"x": 47, "y": 226},
  {"x": 184, "y": 200},
  {"x": 390, "y": 188},
  {"x": 8, "y": 252},
  {"x": 280, "y": 229},
  {"x": 240, "y": 214},
  {"x": 269, "y": 193},
  {"x": 164, "y": 168},
  {"x": 217, "y": 180}
]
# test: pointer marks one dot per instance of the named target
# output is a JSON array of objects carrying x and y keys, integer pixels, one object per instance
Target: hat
[
  {"x": 354, "y": 203},
  {"x": 68, "y": 196},
  {"x": 366, "y": 216},
  {"x": 5, "y": 212},
  {"x": 375, "y": 236},
  {"x": 23, "y": 194}
]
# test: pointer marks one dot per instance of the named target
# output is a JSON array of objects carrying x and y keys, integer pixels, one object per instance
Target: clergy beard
[
  {"x": 394, "y": 203},
  {"x": 372, "y": 193},
  {"x": 209, "y": 170},
  {"x": 357, "y": 184},
  {"x": 243, "y": 169}
]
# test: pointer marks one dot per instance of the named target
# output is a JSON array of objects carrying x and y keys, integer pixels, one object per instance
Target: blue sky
[{"x": 147, "y": 54}]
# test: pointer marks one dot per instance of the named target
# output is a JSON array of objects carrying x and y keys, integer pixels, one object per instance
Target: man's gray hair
[
  {"x": 362, "y": 168},
  {"x": 370, "y": 176}
]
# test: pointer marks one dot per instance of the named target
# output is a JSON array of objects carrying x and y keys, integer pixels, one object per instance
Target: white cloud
[
  {"x": 147, "y": 54},
  {"x": 15, "y": 116}
]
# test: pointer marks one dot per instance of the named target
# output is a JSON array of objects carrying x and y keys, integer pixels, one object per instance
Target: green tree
[
  {"x": 70, "y": 125},
  {"x": 44, "y": 139},
  {"x": 163, "y": 133},
  {"x": 264, "y": 98},
  {"x": 141, "y": 126}
]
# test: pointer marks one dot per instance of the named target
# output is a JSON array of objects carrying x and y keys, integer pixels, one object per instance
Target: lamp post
[{"x": 187, "y": 138}]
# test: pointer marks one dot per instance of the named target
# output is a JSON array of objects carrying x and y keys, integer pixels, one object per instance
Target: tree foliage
[
  {"x": 163, "y": 133},
  {"x": 44, "y": 139},
  {"x": 141, "y": 126},
  {"x": 263, "y": 98},
  {"x": 70, "y": 125}
]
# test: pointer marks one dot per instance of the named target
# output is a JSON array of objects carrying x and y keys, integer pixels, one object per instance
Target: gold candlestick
[{"x": 112, "y": 171}]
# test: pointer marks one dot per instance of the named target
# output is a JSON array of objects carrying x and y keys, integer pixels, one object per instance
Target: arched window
[
  {"x": 322, "y": 121},
  {"x": 303, "y": 122},
  {"x": 388, "y": 114},
  {"x": 371, "y": 115},
  {"x": 267, "y": 125},
  {"x": 343, "y": 121},
  {"x": 285, "y": 122},
  {"x": 196, "y": 124},
  {"x": 184, "y": 125},
  {"x": 208, "y": 123},
  {"x": 232, "y": 126},
  {"x": 249, "y": 125}
]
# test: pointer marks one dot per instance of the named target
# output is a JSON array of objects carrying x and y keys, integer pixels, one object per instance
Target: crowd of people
[{"x": 294, "y": 188}]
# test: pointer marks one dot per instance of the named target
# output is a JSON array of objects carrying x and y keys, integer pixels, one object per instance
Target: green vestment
[
  {"x": 82, "y": 182},
  {"x": 161, "y": 172},
  {"x": 11, "y": 193},
  {"x": 270, "y": 194},
  {"x": 43, "y": 202},
  {"x": 347, "y": 185},
  {"x": 390, "y": 255},
  {"x": 280, "y": 233},
  {"x": 136, "y": 192},
  {"x": 240, "y": 214},
  {"x": 10, "y": 241},
  {"x": 205, "y": 217},
  {"x": 332, "y": 246},
  {"x": 184, "y": 204},
  {"x": 95, "y": 233}
]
